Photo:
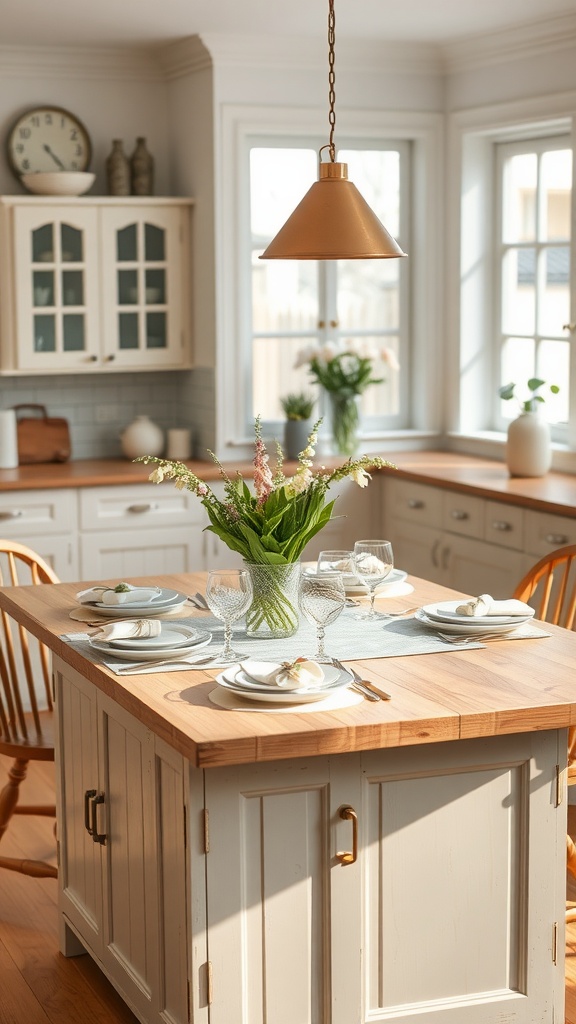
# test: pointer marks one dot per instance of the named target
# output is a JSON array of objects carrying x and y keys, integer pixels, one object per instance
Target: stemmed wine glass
[
  {"x": 373, "y": 562},
  {"x": 337, "y": 561},
  {"x": 228, "y": 595},
  {"x": 322, "y": 598}
]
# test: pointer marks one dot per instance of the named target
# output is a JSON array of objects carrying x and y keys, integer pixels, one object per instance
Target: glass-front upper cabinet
[
  {"x": 56, "y": 276},
  {"x": 94, "y": 284}
]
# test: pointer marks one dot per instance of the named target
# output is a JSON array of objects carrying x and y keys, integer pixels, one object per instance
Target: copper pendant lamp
[{"x": 332, "y": 221}]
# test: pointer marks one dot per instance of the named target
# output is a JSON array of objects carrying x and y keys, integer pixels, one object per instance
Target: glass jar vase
[
  {"x": 345, "y": 420},
  {"x": 274, "y": 609}
]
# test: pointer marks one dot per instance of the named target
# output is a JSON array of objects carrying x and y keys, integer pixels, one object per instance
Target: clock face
[{"x": 48, "y": 139}]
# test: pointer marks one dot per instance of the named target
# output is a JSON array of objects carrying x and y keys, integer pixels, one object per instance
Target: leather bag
[{"x": 41, "y": 438}]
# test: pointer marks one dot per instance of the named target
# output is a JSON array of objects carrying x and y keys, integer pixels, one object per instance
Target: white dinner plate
[
  {"x": 137, "y": 654},
  {"x": 395, "y": 576},
  {"x": 276, "y": 695},
  {"x": 470, "y": 628},
  {"x": 170, "y": 636},
  {"x": 236, "y": 676},
  {"x": 170, "y": 600},
  {"x": 445, "y": 611}
]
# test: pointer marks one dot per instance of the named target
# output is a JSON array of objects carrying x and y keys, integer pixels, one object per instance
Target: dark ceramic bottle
[
  {"x": 118, "y": 170},
  {"x": 142, "y": 170}
]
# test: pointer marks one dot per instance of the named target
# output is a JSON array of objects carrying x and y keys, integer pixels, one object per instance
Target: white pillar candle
[{"x": 8, "y": 439}]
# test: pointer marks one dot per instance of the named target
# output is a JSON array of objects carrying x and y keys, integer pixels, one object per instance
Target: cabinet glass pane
[
  {"x": 43, "y": 244},
  {"x": 127, "y": 287},
  {"x": 155, "y": 330},
  {"x": 44, "y": 333},
  {"x": 154, "y": 248},
  {"x": 71, "y": 244},
  {"x": 127, "y": 244},
  {"x": 155, "y": 287},
  {"x": 72, "y": 288},
  {"x": 43, "y": 287},
  {"x": 128, "y": 330},
  {"x": 73, "y": 332}
]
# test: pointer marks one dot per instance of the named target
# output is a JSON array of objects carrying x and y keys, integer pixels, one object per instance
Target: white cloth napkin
[
  {"x": 129, "y": 629},
  {"x": 110, "y": 596},
  {"x": 486, "y": 605},
  {"x": 301, "y": 674}
]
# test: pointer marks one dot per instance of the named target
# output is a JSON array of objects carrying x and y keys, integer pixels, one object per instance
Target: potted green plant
[
  {"x": 297, "y": 407},
  {"x": 528, "y": 451}
]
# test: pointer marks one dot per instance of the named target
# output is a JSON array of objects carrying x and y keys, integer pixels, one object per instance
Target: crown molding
[
  {"x": 295, "y": 53},
  {"x": 122, "y": 64},
  {"x": 522, "y": 42}
]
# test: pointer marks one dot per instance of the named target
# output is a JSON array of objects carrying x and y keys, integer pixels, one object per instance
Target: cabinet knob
[
  {"x": 415, "y": 503},
  {"x": 459, "y": 513},
  {"x": 557, "y": 539},
  {"x": 349, "y": 814},
  {"x": 501, "y": 524},
  {"x": 92, "y": 359},
  {"x": 110, "y": 358},
  {"x": 11, "y": 513}
]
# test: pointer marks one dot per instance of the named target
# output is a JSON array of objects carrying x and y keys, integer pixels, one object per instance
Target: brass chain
[{"x": 331, "y": 78}]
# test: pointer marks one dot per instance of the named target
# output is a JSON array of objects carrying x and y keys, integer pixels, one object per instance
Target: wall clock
[{"x": 48, "y": 139}]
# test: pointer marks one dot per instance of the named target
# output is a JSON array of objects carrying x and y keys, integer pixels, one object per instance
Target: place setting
[
  {"x": 479, "y": 619},
  {"x": 126, "y": 601}
]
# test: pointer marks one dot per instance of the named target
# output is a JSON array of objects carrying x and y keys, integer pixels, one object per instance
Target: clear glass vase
[
  {"x": 345, "y": 420},
  {"x": 274, "y": 608}
]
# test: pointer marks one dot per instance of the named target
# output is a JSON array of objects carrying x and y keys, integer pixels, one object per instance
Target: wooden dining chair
[
  {"x": 550, "y": 587},
  {"x": 26, "y": 711}
]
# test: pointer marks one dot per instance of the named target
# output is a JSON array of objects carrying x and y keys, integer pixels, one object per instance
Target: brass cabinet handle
[
  {"x": 13, "y": 513},
  {"x": 349, "y": 814},
  {"x": 501, "y": 524},
  {"x": 144, "y": 507},
  {"x": 558, "y": 539},
  {"x": 415, "y": 503},
  {"x": 458, "y": 513}
]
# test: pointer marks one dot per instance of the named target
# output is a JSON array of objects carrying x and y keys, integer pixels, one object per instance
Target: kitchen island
[{"x": 401, "y": 860}]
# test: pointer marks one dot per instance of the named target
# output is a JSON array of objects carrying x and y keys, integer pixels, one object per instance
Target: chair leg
[{"x": 11, "y": 792}]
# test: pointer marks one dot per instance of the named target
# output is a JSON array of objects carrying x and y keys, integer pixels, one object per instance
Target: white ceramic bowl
[{"x": 58, "y": 183}]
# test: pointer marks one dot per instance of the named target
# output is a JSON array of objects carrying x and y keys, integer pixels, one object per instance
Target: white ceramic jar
[
  {"x": 528, "y": 451},
  {"x": 142, "y": 437}
]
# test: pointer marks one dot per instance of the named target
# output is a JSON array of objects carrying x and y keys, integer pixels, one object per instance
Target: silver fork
[
  {"x": 136, "y": 667},
  {"x": 469, "y": 638},
  {"x": 367, "y": 689},
  {"x": 393, "y": 615}
]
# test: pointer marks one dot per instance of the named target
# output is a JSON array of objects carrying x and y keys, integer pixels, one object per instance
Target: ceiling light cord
[{"x": 331, "y": 80}]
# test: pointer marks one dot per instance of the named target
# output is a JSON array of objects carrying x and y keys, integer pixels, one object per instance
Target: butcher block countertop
[
  {"x": 487, "y": 478},
  {"x": 509, "y": 686}
]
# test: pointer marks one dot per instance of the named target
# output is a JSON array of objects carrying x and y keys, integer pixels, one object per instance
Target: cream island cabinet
[
  {"x": 94, "y": 283},
  {"x": 397, "y": 861}
]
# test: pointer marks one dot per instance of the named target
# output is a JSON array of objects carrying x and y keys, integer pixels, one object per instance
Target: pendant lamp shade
[{"x": 332, "y": 222}]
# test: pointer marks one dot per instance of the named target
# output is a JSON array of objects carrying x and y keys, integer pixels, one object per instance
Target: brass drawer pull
[
  {"x": 11, "y": 513},
  {"x": 415, "y": 503},
  {"x": 349, "y": 814},
  {"x": 501, "y": 524},
  {"x": 458, "y": 513},
  {"x": 144, "y": 507}
]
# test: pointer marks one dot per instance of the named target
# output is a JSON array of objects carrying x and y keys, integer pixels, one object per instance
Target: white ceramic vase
[
  {"x": 142, "y": 437},
  {"x": 528, "y": 451}
]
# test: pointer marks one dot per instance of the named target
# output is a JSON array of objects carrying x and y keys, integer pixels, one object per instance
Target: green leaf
[
  {"x": 506, "y": 391},
  {"x": 534, "y": 383}
]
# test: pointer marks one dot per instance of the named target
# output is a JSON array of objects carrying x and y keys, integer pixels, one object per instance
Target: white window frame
[
  {"x": 425, "y": 133},
  {"x": 470, "y": 282},
  {"x": 328, "y": 276}
]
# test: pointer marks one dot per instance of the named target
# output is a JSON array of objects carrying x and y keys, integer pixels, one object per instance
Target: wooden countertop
[
  {"x": 487, "y": 478},
  {"x": 507, "y": 687}
]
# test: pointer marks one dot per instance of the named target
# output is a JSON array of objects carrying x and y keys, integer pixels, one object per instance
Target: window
[
  {"x": 296, "y": 304},
  {"x": 532, "y": 260}
]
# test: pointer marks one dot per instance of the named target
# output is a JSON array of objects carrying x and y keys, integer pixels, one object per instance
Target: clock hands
[{"x": 55, "y": 158}]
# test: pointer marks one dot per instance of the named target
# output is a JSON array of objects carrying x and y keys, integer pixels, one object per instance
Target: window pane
[
  {"x": 519, "y": 291},
  {"x": 279, "y": 179},
  {"x": 554, "y": 304},
  {"x": 556, "y": 184},
  {"x": 284, "y": 294},
  {"x": 519, "y": 199},
  {"x": 71, "y": 244},
  {"x": 553, "y": 366},
  {"x": 368, "y": 294},
  {"x": 382, "y": 399},
  {"x": 274, "y": 375},
  {"x": 518, "y": 365}
]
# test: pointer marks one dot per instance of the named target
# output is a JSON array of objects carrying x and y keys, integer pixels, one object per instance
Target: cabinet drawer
[
  {"x": 504, "y": 525},
  {"x": 545, "y": 532},
  {"x": 463, "y": 513},
  {"x": 138, "y": 507},
  {"x": 412, "y": 502},
  {"x": 27, "y": 514}
]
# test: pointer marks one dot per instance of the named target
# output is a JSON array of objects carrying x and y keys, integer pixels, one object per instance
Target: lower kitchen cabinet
[
  {"x": 421, "y": 884},
  {"x": 122, "y": 876}
]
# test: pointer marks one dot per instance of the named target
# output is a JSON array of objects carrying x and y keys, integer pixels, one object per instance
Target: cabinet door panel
[
  {"x": 417, "y": 549},
  {"x": 268, "y": 903},
  {"x": 478, "y": 568},
  {"x": 471, "y": 940},
  {"x": 142, "y": 552}
]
